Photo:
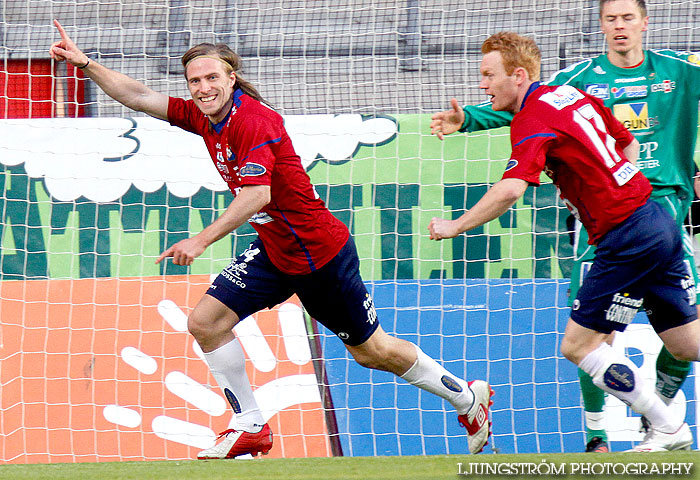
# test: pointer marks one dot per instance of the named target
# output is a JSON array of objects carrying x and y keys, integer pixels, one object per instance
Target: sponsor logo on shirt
[
  {"x": 600, "y": 90},
  {"x": 631, "y": 91},
  {"x": 261, "y": 218},
  {"x": 512, "y": 163},
  {"x": 630, "y": 80},
  {"x": 562, "y": 97},
  {"x": 666, "y": 86},
  {"x": 646, "y": 155},
  {"x": 635, "y": 116},
  {"x": 643, "y": 164},
  {"x": 252, "y": 170},
  {"x": 625, "y": 173}
]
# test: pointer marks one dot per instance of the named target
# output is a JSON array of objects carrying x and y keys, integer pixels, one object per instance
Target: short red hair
[{"x": 517, "y": 51}]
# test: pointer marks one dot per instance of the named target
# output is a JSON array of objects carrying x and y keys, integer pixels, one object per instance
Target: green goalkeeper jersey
[{"x": 657, "y": 101}]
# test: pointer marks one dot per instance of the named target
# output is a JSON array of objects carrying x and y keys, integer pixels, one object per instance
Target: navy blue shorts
[
  {"x": 639, "y": 263},
  {"x": 335, "y": 294}
]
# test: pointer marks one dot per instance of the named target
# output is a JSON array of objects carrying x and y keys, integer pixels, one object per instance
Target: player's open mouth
[
  {"x": 207, "y": 99},
  {"x": 620, "y": 37}
]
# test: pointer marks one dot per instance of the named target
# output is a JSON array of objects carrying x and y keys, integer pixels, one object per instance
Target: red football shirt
[
  {"x": 252, "y": 148},
  {"x": 577, "y": 141}
]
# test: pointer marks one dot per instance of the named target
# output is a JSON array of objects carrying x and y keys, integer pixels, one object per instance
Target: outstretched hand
[
  {"x": 184, "y": 252},
  {"x": 65, "y": 49},
  {"x": 449, "y": 121}
]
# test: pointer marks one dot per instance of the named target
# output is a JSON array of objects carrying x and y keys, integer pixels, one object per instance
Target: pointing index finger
[
  {"x": 164, "y": 255},
  {"x": 61, "y": 31}
]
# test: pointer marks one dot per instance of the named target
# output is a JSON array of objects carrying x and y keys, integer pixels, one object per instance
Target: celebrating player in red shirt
[
  {"x": 301, "y": 248},
  {"x": 591, "y": 158}
]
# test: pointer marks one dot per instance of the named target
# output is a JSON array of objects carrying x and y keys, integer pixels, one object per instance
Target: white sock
[
  {"x": 617, "y": 375},
  {"x": 595, "y": 420},
  {"x": 427, "y": 374},
  {"x": 227, "y": 365}
]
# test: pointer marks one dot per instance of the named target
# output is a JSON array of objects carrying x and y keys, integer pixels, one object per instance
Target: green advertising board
[{"x": 385, "y": 186}]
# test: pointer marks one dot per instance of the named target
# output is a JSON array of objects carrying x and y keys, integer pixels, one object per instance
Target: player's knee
[
  {"x": 569, "y": 349},
  {"x": 377, "y": 356},
  {"x": 196, "y": 324},
  {"x": 688, "y": 351},
  {"x": 203, "y": 326},
  {"x": 370, "y": 358}
]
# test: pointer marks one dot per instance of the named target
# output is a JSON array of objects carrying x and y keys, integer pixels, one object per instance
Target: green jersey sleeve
[
  {"x": 483, "y": 117},
  {"x": 573, "y": 75}
]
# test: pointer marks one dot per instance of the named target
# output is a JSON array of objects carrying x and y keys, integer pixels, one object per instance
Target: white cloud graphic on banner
[
  {"x": 100, "y": 158},
  {"x": 335, "y": 137}
]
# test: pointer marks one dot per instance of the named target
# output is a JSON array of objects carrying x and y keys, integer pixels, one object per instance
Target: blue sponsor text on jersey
[
  {"x": 600, "y": 90},
  {"x": 630, "y": 91},
  {"x": 252, "y": 170}
]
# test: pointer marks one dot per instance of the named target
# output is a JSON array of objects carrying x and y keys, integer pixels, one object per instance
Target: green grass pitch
[{"x": 452, "y": 467}]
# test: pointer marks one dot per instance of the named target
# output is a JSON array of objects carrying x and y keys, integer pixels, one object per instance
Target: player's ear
[
  {"x": 233, "y": 79},
  {"x": 521, "y": 75}
]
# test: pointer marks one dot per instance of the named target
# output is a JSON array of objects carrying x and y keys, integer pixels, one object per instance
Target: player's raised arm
[{"x": 122, "y": 88}]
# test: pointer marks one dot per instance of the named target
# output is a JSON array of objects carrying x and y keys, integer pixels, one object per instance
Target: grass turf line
[{"x": 343, "y": 468}]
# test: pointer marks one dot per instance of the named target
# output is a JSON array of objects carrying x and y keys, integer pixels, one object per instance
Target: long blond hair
[{"x": 232, "y": 63}]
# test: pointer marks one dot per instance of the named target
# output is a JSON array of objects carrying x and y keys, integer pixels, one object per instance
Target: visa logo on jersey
[{"x": 634, "y": 116}]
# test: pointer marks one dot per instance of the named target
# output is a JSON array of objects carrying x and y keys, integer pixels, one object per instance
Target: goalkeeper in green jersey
[{"x": 655, "y": 94}]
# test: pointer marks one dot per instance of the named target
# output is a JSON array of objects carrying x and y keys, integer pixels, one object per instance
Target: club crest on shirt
[{"x": 252, "y": 170}]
